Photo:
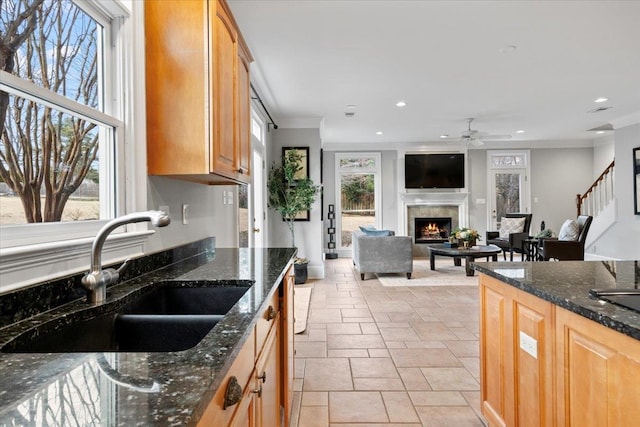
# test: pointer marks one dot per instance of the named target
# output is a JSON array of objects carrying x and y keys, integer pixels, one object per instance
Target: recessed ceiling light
[
  {"x": 520, "y": 131},
  {"x": 601, "y": 100},
  {"x": 379, "y": 132},
  {"x": 351, "y": 107},
  {"x": 401, "y": 104},
  {"x": 600, "y": 132},
  {"x": 444, "y": 136},
  {"x": 507, "y": 50}
]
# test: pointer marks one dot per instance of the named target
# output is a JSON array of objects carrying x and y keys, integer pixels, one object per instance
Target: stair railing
[{"x": 598, "y": 195}]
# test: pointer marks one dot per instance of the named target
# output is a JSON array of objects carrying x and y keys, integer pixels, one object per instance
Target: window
[
  {"x": 358, "y": 201},
  {"x": 508, "y": 186},
  {"x": 60, "y": 130}
]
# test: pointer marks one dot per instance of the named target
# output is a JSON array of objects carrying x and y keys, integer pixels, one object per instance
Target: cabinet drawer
[
  {"x": 242, "y": 370},
  {"x": 266, "y": 321}
]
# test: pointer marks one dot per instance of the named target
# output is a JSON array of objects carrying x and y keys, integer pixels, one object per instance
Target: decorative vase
[
  {"x": 301, "y": 273},
  {"x": 465, "y": 244}
]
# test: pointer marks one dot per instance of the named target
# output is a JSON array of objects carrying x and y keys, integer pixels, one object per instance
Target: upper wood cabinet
[{"x": 198, "y": 100}]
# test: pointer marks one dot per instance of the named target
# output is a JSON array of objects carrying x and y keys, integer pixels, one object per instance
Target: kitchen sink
[
  {"x": 172, "y": 300},
  {"x": 120, "y": 332},
  {"x": 166, "y": 318}
]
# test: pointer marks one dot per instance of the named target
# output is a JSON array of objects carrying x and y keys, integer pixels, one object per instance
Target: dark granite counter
[
  {"x": 141, "y": 388},
  {"x": 567, "y": 284}
]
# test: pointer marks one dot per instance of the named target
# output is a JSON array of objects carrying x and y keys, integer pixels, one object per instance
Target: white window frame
[
  {"x": 377, "y": 180},
  {"x": 51, "y": 250},
  {"x": 525, "y": 199}
]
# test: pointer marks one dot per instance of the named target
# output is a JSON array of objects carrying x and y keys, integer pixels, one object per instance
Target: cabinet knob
[
  {"x": 272, "y": 313},
  {"x": 233, "y": 393},
  {"x": 263, "y": 377},
  {"x": 258, "y": 391},
  {"x": 241, "y": 171}
]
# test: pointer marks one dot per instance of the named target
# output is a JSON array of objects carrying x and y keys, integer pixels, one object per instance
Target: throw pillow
[
  {"x": 569, "y": 230},
  {"x": 367, "y": 227},
  {"x": 378, "y": 232},
  {"x": 510, "y": 225}
]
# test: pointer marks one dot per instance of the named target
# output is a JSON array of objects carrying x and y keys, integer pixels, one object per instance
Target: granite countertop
[
  {"x": 567, "y": 284},
  {"x": 172, "y": 388}
]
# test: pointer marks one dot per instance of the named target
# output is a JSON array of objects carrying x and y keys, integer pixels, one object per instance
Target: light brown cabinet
[
  {"x": 515, "y": 356},
  {"x": 597, "y": 374},
  {"x": 263, "y": 369},
  {"x": 541, "y": 365},
  {"x": 197, "y": 86}
]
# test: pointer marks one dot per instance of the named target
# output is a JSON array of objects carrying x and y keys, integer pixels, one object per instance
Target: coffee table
[{"x": 457, "y": 254}]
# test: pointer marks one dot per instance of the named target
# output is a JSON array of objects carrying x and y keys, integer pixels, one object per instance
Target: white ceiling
[{"x": 313, "y": 58}]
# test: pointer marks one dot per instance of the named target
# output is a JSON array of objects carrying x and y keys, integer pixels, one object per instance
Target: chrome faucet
[{"x": 97, "y": 279}]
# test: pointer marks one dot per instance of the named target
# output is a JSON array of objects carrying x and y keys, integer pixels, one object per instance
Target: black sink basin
[
  {"x": 169, "y": 317},
  {"x": 186, "y": 300},
  {"x": 120, "y": 332}
]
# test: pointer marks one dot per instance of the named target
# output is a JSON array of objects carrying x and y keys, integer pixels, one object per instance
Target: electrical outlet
[
  {"x": 185, "y": 214},
  {"x": 529, "y": 344}
]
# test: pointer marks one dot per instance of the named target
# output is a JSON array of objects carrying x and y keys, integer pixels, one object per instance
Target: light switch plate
[
  {"x": 529, "y": 344},
  {"x": 185, "y": 214}
]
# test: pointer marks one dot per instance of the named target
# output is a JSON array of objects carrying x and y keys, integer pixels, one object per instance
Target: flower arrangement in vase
[{"x": 468, "y": 236}]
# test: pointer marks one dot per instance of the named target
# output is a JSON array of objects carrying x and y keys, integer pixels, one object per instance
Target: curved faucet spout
[{"x": 97, "y": 279}]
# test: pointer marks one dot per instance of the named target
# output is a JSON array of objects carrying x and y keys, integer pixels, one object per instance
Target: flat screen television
[{"x": 438, "y": 170}]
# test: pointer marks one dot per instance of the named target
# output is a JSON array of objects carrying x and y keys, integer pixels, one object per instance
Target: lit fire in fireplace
[{"x": 432, "y": 231}]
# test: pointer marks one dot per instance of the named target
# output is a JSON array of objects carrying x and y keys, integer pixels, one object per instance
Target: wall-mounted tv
[{"x": 437, "y": 170}]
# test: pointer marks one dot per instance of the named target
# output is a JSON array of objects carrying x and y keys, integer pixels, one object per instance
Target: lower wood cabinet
[
  {"x": 515, "y": 356},
  {"x": 598, "y": 374},
  {"x": 541, "y": 365},
  {"x": 262, "y": 373}
]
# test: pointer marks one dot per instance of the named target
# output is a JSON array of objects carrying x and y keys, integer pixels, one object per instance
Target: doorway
[{"x": 508, "y": 186}]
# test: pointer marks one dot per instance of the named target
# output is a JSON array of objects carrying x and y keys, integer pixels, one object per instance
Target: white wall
[
  {"x": 622, "y": 240},
  {"x": 208, "y": 216},
  {"x": 557, "y": 176},
  {"x": 308, "y": 233}
]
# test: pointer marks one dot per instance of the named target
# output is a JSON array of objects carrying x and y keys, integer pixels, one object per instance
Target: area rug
[
  {"x": 445, "y": 274},
  {"x": 301, "y": 301}
]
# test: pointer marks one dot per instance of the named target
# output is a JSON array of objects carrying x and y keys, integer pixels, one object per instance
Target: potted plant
[{"x": 289, "y": 195}]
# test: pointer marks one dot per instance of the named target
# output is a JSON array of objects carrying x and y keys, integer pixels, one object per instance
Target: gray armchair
[
  {"x": 514, "y": 242},
  {"x": 382, "y": 254},
  {"x": 565, "y": 250}
]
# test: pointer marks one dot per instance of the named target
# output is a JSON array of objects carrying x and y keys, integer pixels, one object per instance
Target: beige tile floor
[{"x": 387, "y": 356}]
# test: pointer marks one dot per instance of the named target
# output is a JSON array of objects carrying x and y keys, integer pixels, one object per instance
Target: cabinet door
[
  {"x": 516, "y": 356},
  {"x": 245, "y": 414},
  {"x": 268, "y": 380},
  {"x": 288, "y": 342},
  {"x": 494, "y": 348},
  {"x": 224, "y": 63},
  {"x": 243, "y": 114},
  {"x": 597, "y": 370}
]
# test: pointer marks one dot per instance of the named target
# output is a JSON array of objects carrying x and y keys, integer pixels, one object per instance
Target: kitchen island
[
  {"x": 155, "y": 388},
  {"x": 553, "y": 355}
]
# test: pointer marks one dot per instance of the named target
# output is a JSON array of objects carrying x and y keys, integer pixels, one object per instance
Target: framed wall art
[
  {"x": 636, "y": 180},
  {"x": 304, "y": 160}
]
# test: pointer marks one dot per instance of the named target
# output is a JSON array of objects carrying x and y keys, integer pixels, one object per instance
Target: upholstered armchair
[
  {"x": 565, "y": 250},
  {"x": 510, "y": 241},
  {"x": 382, "y": 254}
]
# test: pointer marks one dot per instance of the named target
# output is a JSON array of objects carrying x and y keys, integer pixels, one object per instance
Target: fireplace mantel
[{"x": 432, "y": 198}]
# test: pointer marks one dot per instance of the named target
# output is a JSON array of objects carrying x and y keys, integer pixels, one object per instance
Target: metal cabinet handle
[
  {"x": 272, "y": 313},
  {"x": 233, "y": 393},
  {"x": 258, "y": 391},
  {"x": 263, "y": 377}
]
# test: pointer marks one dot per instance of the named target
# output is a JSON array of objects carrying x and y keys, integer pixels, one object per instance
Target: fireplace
[{"x": 432, "y": 230}]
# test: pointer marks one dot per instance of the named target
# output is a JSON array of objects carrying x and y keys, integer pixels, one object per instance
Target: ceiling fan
[{"x": 475, "y": 137}]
